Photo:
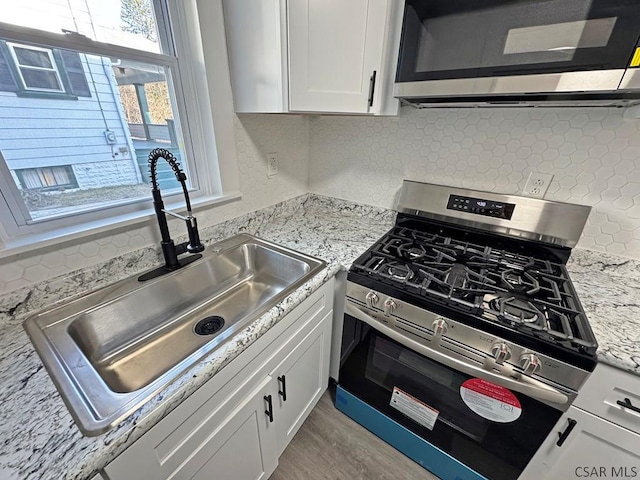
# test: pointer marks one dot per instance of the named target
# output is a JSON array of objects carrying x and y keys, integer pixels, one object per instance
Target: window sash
[{"x": 22, "y": 67}]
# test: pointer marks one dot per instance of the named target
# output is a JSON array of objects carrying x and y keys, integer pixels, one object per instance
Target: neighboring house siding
[
  {"x": 45, "y": 132},
  {"x": 100, "y": 174}
]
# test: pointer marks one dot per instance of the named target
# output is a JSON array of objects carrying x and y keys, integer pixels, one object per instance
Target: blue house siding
[{"x": 45, "y": 132}]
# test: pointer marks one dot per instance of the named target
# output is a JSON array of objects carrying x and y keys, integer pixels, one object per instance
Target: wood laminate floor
[{"x": 331, "y": 446}]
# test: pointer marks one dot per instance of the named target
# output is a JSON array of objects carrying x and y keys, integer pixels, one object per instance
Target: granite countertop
[{"x": 38, "y": 436}]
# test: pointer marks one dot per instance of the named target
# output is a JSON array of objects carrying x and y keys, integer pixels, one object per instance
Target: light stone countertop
[{"x": 38, "y": 436}]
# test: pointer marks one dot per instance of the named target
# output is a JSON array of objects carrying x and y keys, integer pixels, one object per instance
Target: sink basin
[{"x": 111, "y": 350}]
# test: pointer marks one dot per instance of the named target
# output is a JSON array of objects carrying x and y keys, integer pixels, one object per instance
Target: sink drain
[{"x": 209, "y": 325}]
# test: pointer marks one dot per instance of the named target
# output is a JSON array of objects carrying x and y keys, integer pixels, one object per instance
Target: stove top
[{"x": 530, "y": 297}]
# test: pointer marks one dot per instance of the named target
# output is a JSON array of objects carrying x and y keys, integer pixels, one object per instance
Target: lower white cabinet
[
  {"x": 592, "y": 448},
  {"x": 237, "y": 424},
  {"x": 301, "y": 380},
  {"x": 598, "y": 437},
  {"x": 244, "y": 446}
]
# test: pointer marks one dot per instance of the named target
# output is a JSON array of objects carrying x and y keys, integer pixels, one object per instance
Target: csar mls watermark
[{"x": 607, "y": 472}]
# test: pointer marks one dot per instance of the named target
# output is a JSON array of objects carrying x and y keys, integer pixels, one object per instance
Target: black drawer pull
[
  {"x": 283, "y": 393},
  {"x": 563, "y": 436},
  {"x": 627, "y": 404},
  {"x": 269, "y": 410}
]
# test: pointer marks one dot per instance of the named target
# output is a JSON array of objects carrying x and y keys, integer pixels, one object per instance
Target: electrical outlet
[
  {"x": 272, "y": 164},
  {"x": 537, "y": 184}
]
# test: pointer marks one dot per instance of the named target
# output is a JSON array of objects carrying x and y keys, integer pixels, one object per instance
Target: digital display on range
[{"x": 479, "y": 206}]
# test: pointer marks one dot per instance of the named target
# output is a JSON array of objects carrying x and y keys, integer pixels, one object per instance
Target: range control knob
[
  {"x": 372, "y": 299},
  {"x": 501, "y": 352},
  {"x": 440, "y": 327},
  {"x": 530, "y": 363},
  {"x": 390, "y": 306}
]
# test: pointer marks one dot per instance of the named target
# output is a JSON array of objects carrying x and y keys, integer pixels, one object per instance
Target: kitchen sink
[{"x": 111, "y": 350}]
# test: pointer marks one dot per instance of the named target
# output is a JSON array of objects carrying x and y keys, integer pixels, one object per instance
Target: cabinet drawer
[{"x": 604, "y": 389}]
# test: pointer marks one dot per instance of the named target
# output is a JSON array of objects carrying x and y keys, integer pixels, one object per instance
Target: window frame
[
  {"x": 40, "y": 173},
  {"x": 185, "y": 65},
  {"x": 54, "y": 64}
]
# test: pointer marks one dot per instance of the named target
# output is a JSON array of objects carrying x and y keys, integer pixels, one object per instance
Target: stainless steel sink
[{"x": 111, "y": 350}]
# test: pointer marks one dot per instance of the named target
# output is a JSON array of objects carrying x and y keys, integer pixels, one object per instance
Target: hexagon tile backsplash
[{"x": 593, "y": 153}]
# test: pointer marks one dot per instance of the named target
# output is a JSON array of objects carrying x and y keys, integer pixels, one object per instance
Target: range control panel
[{"x": 478, "y": 206}]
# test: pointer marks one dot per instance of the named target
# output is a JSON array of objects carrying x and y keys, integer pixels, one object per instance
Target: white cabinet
[
  {"x": 313, "y": 55},
  {"x": 236, "y": 425},
  {"x": 301, "y": 378},
  {"x": 335, "y": 54},
  {"x": 243, "y": 447},
  {"x": 592, "y": 445},
  {"x": 598, "y": 437}
]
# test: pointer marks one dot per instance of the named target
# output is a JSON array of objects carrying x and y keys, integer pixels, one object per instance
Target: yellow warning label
[{"x": 635, "y": 61}]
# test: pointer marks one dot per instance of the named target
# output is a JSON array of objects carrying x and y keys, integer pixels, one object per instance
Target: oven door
[
  {"x": 542, "y": 45},
  {"x": 492, "y": 430}
]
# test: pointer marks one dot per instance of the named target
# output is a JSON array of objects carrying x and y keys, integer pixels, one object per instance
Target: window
[
  {"x": 37, "y": 68},
  {"x": 67, "y": 162},
  {"x": 47, "y": 178},
  {"x": 42, "y": 72}
]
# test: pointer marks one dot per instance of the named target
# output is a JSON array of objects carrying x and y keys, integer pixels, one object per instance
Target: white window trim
[
  {"x": 19, "y": 67},
  {"x": 214, "y": 158},
  {"x": 71, "y": 233}
]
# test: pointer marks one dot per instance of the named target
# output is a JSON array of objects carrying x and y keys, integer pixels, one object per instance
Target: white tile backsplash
[
  {"x": 593, "y": 153},
  {"x": 255, "y": 135}
]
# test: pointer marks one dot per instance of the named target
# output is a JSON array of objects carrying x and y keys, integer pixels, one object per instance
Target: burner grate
[{"x": 531, "y": 296}]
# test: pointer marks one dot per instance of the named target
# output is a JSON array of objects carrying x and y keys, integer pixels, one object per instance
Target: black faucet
[{"x": 169, "y": 249}]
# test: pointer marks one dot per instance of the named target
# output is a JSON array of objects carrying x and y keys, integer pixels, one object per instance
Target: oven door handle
[{"x": 533, "y": 388}]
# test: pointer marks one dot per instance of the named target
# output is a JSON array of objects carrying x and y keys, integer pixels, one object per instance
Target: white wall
[{"x": 594, "y": 154}]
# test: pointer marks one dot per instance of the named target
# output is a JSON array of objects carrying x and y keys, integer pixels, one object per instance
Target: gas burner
[
  {"x": 457, "y": 276},
  {"x": 515, "y": 309},
  {"x": 412, "y": 251},
  {"x": 399, "y": 272},
  {"x": 520, "y": 281}
]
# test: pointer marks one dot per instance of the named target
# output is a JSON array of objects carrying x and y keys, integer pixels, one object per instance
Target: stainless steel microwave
[{"x": 461, "y": 50}]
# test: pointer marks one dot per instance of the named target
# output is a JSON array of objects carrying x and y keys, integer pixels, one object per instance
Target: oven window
[{"x": 496, "y": 448}]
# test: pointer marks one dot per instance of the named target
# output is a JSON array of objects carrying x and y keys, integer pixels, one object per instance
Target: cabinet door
[
  {"x": 301, "y": 378},
  {"x": 334, "y": 48},
  {"x": 243, "y": 448},
  {"x": 593, "y": 448}
]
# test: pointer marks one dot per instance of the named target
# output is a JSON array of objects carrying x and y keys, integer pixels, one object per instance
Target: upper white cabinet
[{"x": 330, "y": 56}]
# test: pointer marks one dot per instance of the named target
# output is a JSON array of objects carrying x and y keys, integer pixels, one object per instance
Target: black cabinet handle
[
  {"x": 372, "y": 87},
  {"x": 269, "y": 410},
  {"x": 563, "y": 436},
  {"x": 283, "y": 393},
  {"x": 627, "y": 404}
]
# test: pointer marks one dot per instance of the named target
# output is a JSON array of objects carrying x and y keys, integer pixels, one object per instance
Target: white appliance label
[
  {"x": 490, "y": 401},
  {"x": 413, "y": 408}
]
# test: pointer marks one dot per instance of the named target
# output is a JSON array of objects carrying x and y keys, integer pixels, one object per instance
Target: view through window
[{"x": 76, "y": 128}]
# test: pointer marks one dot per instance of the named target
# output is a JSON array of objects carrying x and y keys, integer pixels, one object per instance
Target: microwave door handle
[{"x": 538, "y": 391}]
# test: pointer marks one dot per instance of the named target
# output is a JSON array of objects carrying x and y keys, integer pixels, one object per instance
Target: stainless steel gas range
[{"x": 464, "y": 339}]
